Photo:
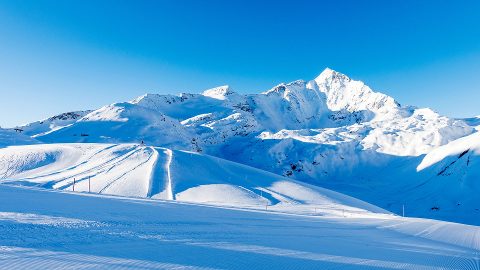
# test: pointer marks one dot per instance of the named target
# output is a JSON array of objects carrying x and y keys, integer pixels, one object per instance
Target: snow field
[{"x": 59, "y": 230}]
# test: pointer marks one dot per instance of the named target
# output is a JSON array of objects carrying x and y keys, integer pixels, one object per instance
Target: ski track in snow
[
  {"x": 73, "y": 167},
  {"x": 27, "y": 258},
  {"x": 152, "y": 188},
  {"x": 104, "y": 167},
  {"x": 125, "y": 173},
  {"x": 169, "y": 175}
]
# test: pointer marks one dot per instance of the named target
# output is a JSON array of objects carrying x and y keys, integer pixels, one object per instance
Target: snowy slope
[
  {"x": 468, "y": 146},
  {"x": 161, "y": 173},
  {"x": 56, "y": 230},
  {"x": 450, "y": 178},
  {"x": 52, "y": 123},
  {"x": 12, "y": 137},
  {"x": 123, "y": 122}
]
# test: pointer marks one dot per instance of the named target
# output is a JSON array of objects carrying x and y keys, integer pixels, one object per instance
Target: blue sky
[{"x": 58, "y": 56}]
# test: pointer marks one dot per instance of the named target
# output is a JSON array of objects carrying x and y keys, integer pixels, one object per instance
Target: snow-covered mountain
[
  {"x": 331, "y": 131},
  {"x": 52, "y": 123},
  {"x": 123, "y": 122}
]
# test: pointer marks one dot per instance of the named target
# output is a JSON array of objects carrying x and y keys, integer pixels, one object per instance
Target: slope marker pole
[
  {"x": 89, "y": 184},
  {"x": 73, "y": 184}
]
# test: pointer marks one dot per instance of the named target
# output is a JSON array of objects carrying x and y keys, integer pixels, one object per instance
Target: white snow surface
[{"x": 56, "y": 230}]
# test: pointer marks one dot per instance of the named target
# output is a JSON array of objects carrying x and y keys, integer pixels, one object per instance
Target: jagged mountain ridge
[
  {"x": 331, "y": 131},
  {"x": 332, "y": 100}
]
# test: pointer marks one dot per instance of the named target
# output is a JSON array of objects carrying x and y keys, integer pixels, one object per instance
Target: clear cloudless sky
[{"x": 58, "y": 56}]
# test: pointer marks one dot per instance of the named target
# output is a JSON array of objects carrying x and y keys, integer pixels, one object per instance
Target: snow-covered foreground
[{"x": 48, "y": 229}]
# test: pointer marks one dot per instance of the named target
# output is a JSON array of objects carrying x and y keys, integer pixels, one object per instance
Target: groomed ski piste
[
  {"x": 52, "y": 229},
  {"x": 141, "y": 207}
]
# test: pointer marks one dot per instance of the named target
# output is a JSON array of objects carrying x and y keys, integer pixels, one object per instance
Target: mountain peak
[
  {"x": 142, "y": 98},
  {"x": 328, "y": 74},
  {"x": 220, "y": 92},
  {"x": 327, "y": 71},
  {"x": 343, "y": 93}
]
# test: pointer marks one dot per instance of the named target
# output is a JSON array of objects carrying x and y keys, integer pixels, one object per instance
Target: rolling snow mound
[{"x": 160, "y": 173}]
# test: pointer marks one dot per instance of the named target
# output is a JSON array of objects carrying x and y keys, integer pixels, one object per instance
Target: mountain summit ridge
[{"x": 331, "y": 100}]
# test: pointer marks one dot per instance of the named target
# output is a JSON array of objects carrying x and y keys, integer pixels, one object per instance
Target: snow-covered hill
[
  {"x": 161, "y": 173},
  {"x": 52, "y": 123},
  {"x": 452, "y": 172},
  {"x": 331, "y": 131},
  {"x": 124, "y": 122}
]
